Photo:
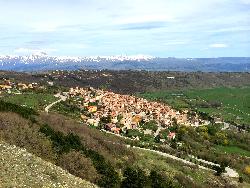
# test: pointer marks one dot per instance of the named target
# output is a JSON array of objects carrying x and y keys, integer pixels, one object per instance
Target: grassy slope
[
  {"x": 32, "y": 100},
  {"x": 233, "y": 150},
  {"x": 143, "y": 159},
  {"x": 235, "y": 101},
  {"x": 22, "y": 169},
  {"x": 172, "y": 168},
  {"x": 146, "y": 160}
]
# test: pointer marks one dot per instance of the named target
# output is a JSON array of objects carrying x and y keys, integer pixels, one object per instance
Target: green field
[
  {"x": 32, "y": 100},
  {"x": 232, "y": 150},
  {"x": 232, "y": 104}
]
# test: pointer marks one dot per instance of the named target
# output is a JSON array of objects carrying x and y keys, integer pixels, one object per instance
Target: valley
[{"x": 177, "y": 130}]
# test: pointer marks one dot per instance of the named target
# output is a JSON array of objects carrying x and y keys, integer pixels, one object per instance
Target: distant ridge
[{"x": 43, "y": 62}]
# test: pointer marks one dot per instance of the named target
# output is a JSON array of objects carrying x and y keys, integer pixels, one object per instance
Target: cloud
[
  {"x": 218, "y": 45},
  {"x": 157, "y": 27},
  {"x": 143, "y": 26},
  {"x": 33, "y": 51},
  {"x": 139, "y": 19}
]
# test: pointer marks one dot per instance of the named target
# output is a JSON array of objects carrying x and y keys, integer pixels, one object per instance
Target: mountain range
[{"x": 43, "y": 62}]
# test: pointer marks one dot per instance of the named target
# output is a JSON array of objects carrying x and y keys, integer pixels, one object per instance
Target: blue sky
[{"x": 163, "y": 28}]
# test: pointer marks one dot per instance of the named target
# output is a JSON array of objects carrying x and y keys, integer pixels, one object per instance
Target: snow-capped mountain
[
  {"x": 42, "y": 56},
  {"x": 41, "y": 61}
]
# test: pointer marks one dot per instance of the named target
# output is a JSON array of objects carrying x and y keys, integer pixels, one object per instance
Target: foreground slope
[{"x": 22, "y": 169}]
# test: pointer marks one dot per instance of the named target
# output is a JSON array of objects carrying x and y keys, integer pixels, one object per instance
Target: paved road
[
  {"x": 229, "y": 172},
  {"x": 58, "y": 95}
]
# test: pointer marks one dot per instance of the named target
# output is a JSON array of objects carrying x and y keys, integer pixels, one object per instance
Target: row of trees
[
  {"x": 21, "y": 110},
  {"x": 136, "y": 178}
]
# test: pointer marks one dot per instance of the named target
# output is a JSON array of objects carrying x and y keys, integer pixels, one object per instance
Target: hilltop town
[
  {"x": 119, "y": 113},
  {"x": 110, "y": 119}
]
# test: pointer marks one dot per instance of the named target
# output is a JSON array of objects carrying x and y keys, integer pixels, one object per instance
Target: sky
[{"x": 162, "y": 28}]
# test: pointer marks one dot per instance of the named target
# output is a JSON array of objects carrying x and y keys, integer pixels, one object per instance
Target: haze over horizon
[{"x": 162, "y": 28}]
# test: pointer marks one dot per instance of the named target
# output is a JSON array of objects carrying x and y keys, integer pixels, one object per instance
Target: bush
[
  {"x": 151, "y": 125},
  {"x": 21, "y": 110},
  {"x": 133, "y": 133},
  {"x": 241, "y": 179},
  {"x": 247, "y": 170},
  {"x": 64, "y": 143},
  {"x": 185, "y": 181},
  {"x": 219, "y": 170},
  {"x": 159, "y": 181},
  {"x": 134, "y": 178},
  {"x": 77, "y": 164},
  {"x": 17, "y": 131}
]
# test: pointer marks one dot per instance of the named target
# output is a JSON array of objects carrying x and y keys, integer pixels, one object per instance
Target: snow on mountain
[
  {"x": 41, "y": 56},
  {"x": 41, "y": 61}
]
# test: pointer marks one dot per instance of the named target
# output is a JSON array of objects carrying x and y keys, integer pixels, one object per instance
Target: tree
[
  {"x": 221, "y": 138},
  {"x": 151, "y": 125},
  {"x": 105, "y": 120},
  {"x": 157, "y": 139},
  {"x": 158, "y": 181},
  {"x": 134, "y": 178},
  {"x": 241, "y": 179},
  {"x": 64, "y": 143},
  {"x": 77, "y": 164},
  {"x": 219, "y": 170}
]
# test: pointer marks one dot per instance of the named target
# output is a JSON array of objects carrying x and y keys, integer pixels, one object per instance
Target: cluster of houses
[
  {"x": 125, "y": 111},
  {"x": 8, "y": 85}
]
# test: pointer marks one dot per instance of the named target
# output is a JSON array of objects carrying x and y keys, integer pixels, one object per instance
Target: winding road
[
  {"x": 229, "y": 172},
  {"x": 58, "y": 95}
]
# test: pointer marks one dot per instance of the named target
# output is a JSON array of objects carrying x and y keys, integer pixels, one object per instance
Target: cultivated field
[{"x": 231, "y": 104}]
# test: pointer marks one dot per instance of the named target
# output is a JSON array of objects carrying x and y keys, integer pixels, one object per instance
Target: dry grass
[{"x": 22, "y": 169}]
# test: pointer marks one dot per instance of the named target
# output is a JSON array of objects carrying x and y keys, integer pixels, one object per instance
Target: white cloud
[
  {"x": 146, "y": 19},
  {"x": 218, "y": 45},
  {"x": 33, "y": 51},
  {"x": 125, "y": 26}
]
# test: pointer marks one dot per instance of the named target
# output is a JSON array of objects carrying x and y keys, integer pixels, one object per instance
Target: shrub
[
  {"x": 134, "y": 178},
  {"x": 77, "y": 164},
  {"x": 133, "y": 133},
  {"x": 64, "y": 143},
  {"x": 151, "y": 125},
  {"x": 159, "y": 181},
  {"x": 247, "y": 170},
  {"x": 185, "y": 181},
  {"x": 241, "y": 179},
  {"x": 21, "y": 110},
  {"x": 17, "y": 131}
]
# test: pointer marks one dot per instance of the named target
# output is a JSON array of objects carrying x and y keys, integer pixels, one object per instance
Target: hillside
[
  {"x": 109, "y": 148},
  {"x": 143, "y": 154},
  {"x": 131, "y": 82},
  {"x": 20, "y": 168}
]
